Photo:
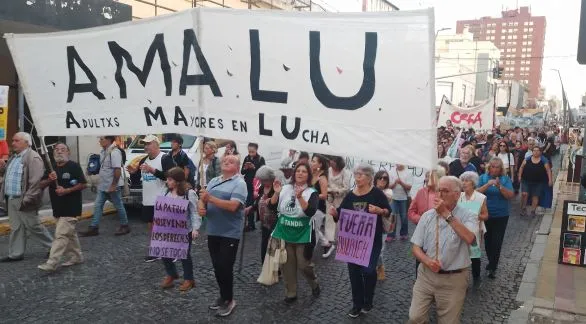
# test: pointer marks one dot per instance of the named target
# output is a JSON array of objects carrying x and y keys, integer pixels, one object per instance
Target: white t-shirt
[
  {"x": 151, "y": 185},
  {"x": 406, "y": 176},
  {"x": 505, "y": 158}
]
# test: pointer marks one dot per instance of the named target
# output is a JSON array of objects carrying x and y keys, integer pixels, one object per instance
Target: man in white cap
[{"x": 153, "y": 179}]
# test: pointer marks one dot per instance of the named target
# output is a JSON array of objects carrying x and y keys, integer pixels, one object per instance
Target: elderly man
[
  {"x": 223, "y": 202},
  {"x": 65, "y": 185},
  {"x": 152, "y": 171},
  {"x": 23, "y": 194},
  {"x": 461, "y": 165},
  {"x": 443, "y": 275},
  {"x": 111, "y": 181}
]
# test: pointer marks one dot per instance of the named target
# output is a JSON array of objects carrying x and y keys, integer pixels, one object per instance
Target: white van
[{"x": 191, "y": 145}]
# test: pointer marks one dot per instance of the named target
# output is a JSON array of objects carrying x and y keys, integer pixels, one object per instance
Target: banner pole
[{"x": 45, "y": 154}]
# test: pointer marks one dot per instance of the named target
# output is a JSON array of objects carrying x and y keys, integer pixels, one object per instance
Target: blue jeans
[
  {"x": 400, "y": 208},
  {"x": 186, "y": 263},
  {"x": 116, "y": 199},
  {"x": 363, "y": 279}
]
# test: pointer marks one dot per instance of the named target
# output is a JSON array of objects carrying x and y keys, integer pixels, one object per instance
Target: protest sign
[
  {"x": 355, "y": 236},
  {"x": 480, "y": 117},
  {"x": 319, "y": 82},
  {"x": 3, "y": 111},
  {"x": 169, "y": 238}
]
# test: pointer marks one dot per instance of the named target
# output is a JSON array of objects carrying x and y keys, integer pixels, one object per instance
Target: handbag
[{"x": 388, "y": 223}]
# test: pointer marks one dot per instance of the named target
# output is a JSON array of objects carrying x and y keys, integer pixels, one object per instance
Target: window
[
  {"x": 514, "y": 36},
  {"x": 529, "y": 43},
  {"x": 525, "y": 29},
  {"x": 503, "y": 37},
  {"x": 528, "y": 49},
  {"x": 531, "y": 23},
  {"x": 523, "y": 49},
  {"x": 525, "y": 36},
  {"x": 526, "y": 23},
  {"x": 510, "y": 37},
  {"x": 510, "y": 23},
  {"x": 524, "y": 43},
  {"x": 514, "y": 50},
  {"x": 510, "y": 30},
  {"x": 516, "y": 24},
  {"x": 504, "y": 24}
]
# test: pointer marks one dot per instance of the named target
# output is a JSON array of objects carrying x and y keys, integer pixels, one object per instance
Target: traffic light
[{"x": 497, "y": 72}]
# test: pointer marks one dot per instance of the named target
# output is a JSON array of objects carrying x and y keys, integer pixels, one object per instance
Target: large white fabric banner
[
  {"x": 480, "y": 117},
  {"x": 328, "y": 83}
]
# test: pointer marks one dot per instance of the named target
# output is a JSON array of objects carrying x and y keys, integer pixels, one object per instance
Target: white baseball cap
[{"x": 151, "y": 138}]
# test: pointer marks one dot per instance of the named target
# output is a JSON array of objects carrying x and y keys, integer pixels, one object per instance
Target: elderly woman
[
  {"x": 296, "y": 203},
  {"x": 210, "y": 163},
  {"x": 424, "y": 199},
  {"x": 268, "y": 216},
  {"x": 476, "y": 203},
  {"x": 381, "y": 181},
  {"x": 498, "y": 189},
  {"x": 367, "y": 198}
]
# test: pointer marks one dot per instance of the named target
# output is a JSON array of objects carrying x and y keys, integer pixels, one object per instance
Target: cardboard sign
[
  {"x": 573, "y": 236},
  {"x": 169, "y": 238},
  {"x": 355, "y": 237},
  {"x": 296, "y": 80}
]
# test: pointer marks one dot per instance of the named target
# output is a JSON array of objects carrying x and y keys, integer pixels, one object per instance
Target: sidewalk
[
  {"x": 551, "y": 292},
  {"x": 46, "y": 213}
]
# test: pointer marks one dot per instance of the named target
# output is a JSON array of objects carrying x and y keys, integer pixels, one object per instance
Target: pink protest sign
[
  {"x": 169, "y": 238},
  {"x": 355, "y": 237}
]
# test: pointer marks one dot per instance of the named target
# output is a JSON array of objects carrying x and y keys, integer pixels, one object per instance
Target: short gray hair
[
  {"x": 25, "y": 136},
  {"x": 365, "y": 168},
  {"x": 470, "y": 176},
  {"x": 455, "y": 182},
  {"x": 265, "y": 173}
]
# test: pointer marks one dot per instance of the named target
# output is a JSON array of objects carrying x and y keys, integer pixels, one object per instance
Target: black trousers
[
  {"x": 475, "y": 267},
  {"x": 223, "y": 253},
  {"x": 493, "y": 239},
  {"x": 266, "y": 235}
]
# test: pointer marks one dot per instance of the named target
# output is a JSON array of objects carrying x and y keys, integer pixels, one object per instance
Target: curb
[
  {"x": 526, "y": 293},
  {"x": 47, "y": 219}
]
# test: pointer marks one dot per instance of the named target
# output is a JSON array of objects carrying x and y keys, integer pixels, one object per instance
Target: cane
[{"x": 241, "y": 251}]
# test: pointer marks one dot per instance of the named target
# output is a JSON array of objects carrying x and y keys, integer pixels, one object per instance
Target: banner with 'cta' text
[
  {"x": 480, "y": 117},
  {"x": 319, "y": 82}
]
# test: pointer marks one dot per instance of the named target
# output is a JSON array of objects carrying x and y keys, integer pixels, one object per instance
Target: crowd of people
[{"x": 463, "y": 205}]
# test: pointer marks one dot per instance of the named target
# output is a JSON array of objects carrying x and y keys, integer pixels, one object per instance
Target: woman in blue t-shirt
[{"x": 498, "y": 189}]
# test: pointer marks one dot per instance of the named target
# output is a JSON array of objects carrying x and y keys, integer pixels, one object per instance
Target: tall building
[{"x": 521, "y": 40}]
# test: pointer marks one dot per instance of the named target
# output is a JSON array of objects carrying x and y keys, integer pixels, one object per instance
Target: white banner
[
  {"x": 328, "y": 83},
  {"x": 480, "y": 117}
]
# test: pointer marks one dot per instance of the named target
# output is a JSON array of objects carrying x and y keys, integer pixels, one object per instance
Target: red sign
[{"x": 470, "y": 119}]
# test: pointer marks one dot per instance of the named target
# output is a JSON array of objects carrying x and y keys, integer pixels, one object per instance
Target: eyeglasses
[
  {"x": 503, "y": 145},
  {"x": 445, "y": 191}
]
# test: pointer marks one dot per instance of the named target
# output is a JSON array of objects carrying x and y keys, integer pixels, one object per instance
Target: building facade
[
  {"x": 378, "y": 5},
  {"x": 521, "y": 40},
  {"x": 150, "y": 8},
  {"x": 464, "y": 68}
]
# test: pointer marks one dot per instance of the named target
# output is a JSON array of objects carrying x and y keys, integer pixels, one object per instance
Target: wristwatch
[{"x": 449, "y": 218}]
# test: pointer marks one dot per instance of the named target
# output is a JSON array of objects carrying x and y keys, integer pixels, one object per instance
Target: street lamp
[{"x": 564, "y": 100}]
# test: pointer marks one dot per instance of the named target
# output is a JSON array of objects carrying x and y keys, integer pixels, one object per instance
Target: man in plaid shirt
[{"x": 22, "y": 192}]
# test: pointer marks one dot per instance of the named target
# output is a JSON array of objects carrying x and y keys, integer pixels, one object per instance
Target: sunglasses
[{"x": 383, "y": 178}]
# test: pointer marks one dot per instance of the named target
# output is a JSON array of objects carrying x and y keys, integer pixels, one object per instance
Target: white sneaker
[{"x": 329, "y": 252}]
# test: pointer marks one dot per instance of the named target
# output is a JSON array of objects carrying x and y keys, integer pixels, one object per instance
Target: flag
[{"x": 453, "y": 150}]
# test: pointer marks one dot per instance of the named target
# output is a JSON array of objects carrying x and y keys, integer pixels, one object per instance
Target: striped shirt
[
  {"x": 221, "y": 222},
  {"x": 454, "y": 252},
  {"x": 13, "y": 177}
]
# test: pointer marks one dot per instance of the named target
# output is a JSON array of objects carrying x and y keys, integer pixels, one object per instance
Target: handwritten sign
[
  {"x": 479, "y": 118},
  {"x": 355, "y": 237},
  {"x": 169, "y": 238}
]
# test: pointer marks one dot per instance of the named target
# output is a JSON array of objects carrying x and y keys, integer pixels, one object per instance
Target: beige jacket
[{"x": 32, "y": 172}]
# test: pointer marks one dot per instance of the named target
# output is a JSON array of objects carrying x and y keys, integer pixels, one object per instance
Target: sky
[{"x": 561, "y": 33}]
